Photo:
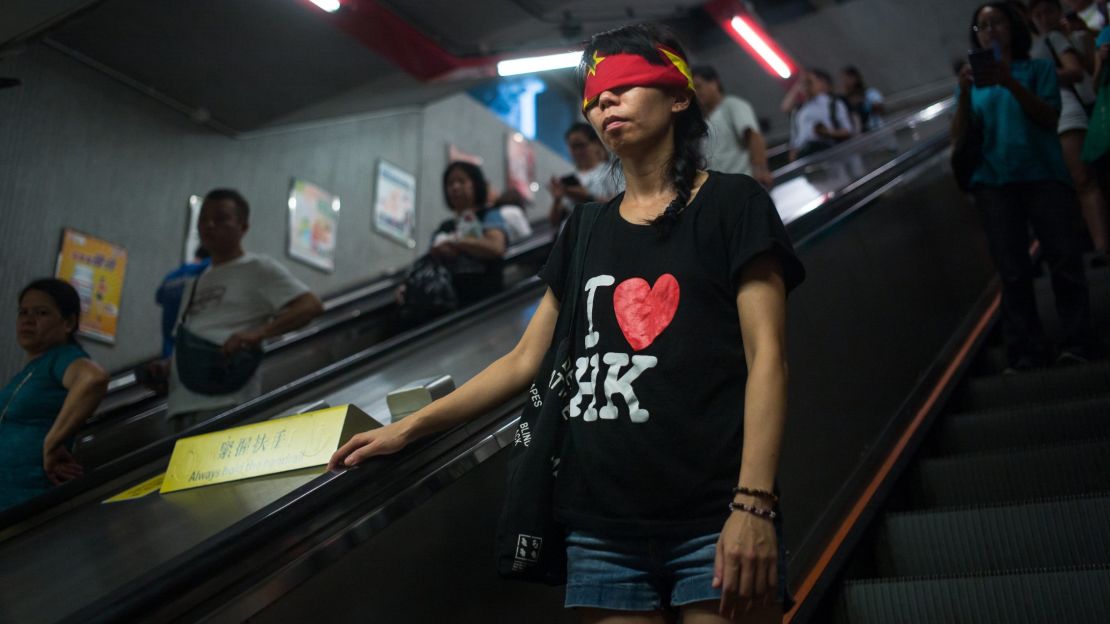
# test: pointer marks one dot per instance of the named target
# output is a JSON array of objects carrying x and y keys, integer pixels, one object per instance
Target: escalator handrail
[{"x": 860, "y": 142}]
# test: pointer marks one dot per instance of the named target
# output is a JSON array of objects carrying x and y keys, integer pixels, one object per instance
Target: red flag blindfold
[{"x": 631, "y": 70}]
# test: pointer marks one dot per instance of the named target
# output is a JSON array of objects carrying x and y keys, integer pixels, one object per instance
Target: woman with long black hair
[
  {"x": 1021, "y": 180},
  {"x": 668, "y": 489}
]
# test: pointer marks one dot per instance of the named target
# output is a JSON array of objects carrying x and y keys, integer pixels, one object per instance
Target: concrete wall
[
  {"x": 897, "y": 44},
  {"x": 81, "y": 150}
]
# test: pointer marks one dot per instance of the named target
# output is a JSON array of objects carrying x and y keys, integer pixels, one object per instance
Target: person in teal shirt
[
  {"x": 1021, "y": 180},
  {"x": 44, "y": 404}
]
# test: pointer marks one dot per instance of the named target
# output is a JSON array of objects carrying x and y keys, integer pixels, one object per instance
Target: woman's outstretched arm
[{"x": 505, "y": 378}]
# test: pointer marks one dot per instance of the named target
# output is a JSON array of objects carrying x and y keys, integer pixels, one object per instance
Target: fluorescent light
[
  {"x": 532, "y": 64},
  {"x": 760, "y": 46},
  {"x": 331, "y": 6}
]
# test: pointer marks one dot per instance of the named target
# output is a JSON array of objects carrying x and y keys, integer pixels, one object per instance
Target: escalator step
[
  {"x": 1064, "y": 421},
  {"x": 1056, "y": 533},
  {"x": 1088, "y": 380},
  {"x": 1076, "y": 596},
  {"x": 1009, "y": 476}
]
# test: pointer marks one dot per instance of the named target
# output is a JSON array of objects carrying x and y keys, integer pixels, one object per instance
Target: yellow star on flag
[
  {"x": 597, "y": 61},
  {"x": 681, "y": 65}
]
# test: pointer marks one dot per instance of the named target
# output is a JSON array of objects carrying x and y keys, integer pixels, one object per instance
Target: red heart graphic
[{"x": 644, "y": 311}]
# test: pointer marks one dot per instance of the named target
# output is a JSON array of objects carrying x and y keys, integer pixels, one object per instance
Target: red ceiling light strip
[
  {"x": 383, "y": 31},
  {"x": 735, "y": 20}
]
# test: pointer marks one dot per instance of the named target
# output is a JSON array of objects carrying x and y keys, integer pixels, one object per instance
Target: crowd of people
[{"x": 1028, "y": 151}]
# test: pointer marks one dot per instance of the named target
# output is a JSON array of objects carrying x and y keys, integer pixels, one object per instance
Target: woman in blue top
[
  {"x": 42, "y": 407},
  {"x": 1022, "y": 180},
  {"x": 679, "y": 363}
]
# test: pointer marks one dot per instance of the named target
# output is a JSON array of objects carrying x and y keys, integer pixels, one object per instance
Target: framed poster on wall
[
  {"x": 192, "y": 238},
  {"x": 395, "y": 204},
  {"x": 520, "y": 161},
  {"x": 95, "y": 268},
  {"x": 313, "y": 223}
]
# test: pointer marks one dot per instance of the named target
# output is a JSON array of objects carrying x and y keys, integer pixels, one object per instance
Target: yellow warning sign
[
  {"x": 263, "y": 448},
  {"x": 138, "y": 491}
]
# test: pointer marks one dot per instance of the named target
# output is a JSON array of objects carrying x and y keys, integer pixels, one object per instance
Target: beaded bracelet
[
  {"x": 764, "y": 494},
  {"x": 769, "y": 514}
]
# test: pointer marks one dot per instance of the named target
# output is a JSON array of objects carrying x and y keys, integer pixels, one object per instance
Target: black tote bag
[{"x": 530, "y": 544}]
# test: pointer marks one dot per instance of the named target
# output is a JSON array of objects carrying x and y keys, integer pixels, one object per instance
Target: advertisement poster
[
  {"x": 395, "y": 204},
  {"x": 313, "y": 222},
  {"x": 192, "y": 238},
  {"x": 521, "y": 161},
  {"x": 95, "y": 268}
]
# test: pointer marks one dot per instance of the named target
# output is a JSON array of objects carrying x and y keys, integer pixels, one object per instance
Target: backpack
[{"x": 429, "y": 290}]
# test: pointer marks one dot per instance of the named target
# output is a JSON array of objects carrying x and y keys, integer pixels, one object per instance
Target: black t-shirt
[{"x": 656, "y": 427}]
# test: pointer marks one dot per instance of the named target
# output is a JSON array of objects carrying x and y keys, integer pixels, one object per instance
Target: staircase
[{"x": 1004, "y": 515}]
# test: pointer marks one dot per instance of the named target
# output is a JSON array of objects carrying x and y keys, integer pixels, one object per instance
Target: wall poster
[
  {"x": 395, "y": 204},
  {"x": 95, "y": 268},
  {"x": 313, "y": 223},
  {"x": 520, "y": 160}
]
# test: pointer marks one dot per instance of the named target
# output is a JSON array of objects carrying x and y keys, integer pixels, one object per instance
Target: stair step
[
  {"x": 1010, "y": 476},
  {"x": 1063, "y": 421},
  {"x": 1076, "y": 596},
  {"x": 1088, "y": 380},
  {"x": 1054, "y": 533}
]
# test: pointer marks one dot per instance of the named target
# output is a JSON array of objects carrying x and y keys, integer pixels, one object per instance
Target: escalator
[
  {"x": 1001, "y": 516},
  {"x": 888, "y": 242}
]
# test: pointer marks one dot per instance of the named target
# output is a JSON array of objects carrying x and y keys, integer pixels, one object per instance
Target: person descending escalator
[
  {"x": 821, "y": 120},
  {"x": 1008, "y": 108},
  {"x": 43, "y": 405},
  {"x": 658, "y": 350},
  {"x": 239, "y": 300}
]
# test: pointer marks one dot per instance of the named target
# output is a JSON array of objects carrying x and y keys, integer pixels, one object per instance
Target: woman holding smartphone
[
  {"x": 668, "y": 486},
  {"x": 1022, "y": 180},
  {"x": 592, "y": 180}
]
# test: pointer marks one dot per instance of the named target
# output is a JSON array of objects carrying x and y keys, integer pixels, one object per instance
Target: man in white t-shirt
[
  {"x": 238, "y": 301},
  {"x": 735, "y": 144},
  {"x": 593, "y": 178}
]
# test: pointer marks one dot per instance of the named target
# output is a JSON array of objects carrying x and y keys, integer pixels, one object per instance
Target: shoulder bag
[
  {"x": 201, "y": 364},
  {"x": 531, "y": 544}
]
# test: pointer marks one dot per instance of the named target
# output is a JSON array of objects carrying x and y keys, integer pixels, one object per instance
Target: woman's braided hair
[{"x": 690, "y": 126}]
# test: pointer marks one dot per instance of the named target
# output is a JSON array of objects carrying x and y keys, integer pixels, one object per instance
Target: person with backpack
[
  {"x": 665, "y": 489},
  {"x": 820, "y": 122}
]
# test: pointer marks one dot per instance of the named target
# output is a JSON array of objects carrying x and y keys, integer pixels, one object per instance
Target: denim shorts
[{"x": 647, "y": 574}]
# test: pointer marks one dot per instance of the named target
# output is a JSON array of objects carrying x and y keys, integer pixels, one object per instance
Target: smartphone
[
  {"x": 570, "y": 180},
  {"x": 982, "y": 66}
]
